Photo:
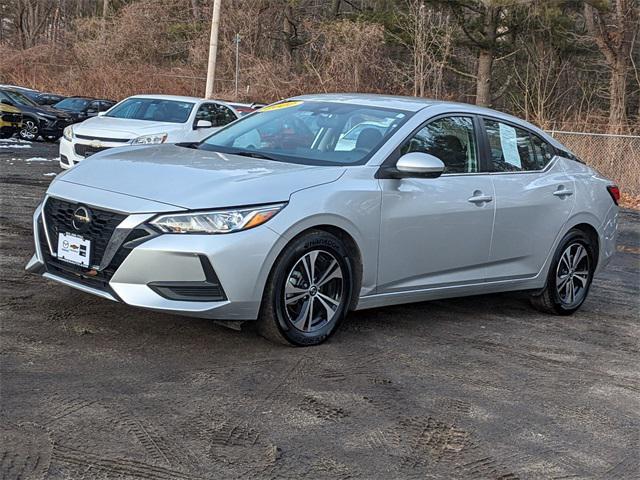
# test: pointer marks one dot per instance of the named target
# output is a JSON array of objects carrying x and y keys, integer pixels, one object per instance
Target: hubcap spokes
[
  {"x": 29, "y": 131},
  {"x": 313, "y": 290},
  {"x": 572, "y": 274}
]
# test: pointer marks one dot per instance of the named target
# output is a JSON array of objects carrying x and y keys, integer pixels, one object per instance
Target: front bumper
[
  {"x": 69, "y": 155},
  {"x": 240, "y": 263},
  {"x": 54, "y": 127}
]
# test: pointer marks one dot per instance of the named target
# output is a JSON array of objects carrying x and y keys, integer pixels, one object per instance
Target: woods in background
[{"x": 569, "y": 64}]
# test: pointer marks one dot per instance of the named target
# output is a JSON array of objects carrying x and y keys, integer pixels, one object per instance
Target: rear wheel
[
  {"x": 308, "y": 292},
  {"x": 569, "y": 277}
]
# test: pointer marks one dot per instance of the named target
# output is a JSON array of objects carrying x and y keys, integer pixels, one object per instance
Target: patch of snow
[
  {"x": 39, "y": 159},
  {"x": 15, "y": 146},
  {"x": 52, "y": 174},
  {"x": 13, "y": 140}
]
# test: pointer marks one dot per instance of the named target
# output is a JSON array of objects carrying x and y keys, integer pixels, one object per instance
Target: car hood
[
  {"x": 122, "y": 128},
  {"x": 195, "y": 179}
]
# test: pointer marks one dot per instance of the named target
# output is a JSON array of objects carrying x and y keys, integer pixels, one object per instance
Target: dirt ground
[{"x": 481, "y": 387}]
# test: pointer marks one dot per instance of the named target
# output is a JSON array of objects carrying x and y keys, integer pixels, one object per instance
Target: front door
[{"x": 437, "y": 232}]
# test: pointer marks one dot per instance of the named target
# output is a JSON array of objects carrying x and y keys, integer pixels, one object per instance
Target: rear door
[
  {"x": 436, "y": 232},
  {"x": 534, "y": 198}
]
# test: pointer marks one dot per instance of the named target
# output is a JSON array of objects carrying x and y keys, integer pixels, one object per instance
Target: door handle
[
  {"x": 562, "y": 192},
  {"x": 479, "y": 198}
]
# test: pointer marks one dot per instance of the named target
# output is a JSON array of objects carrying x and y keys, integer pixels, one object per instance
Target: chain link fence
[{"x": 615, "y": 156}]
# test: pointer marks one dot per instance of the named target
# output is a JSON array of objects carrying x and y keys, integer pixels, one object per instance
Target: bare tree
[
  {"x": 612, "y": 26},
  {"x": 31, "y": 19},
  {"x": 489, "y": 27}
]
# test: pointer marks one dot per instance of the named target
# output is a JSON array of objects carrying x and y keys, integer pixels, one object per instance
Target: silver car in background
[{"x": 323, "y": 204}]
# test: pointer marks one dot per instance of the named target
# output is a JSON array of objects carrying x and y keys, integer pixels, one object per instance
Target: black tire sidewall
[
  {"x": 573, "y": 236},
  {"x": 316, "y": 241}
]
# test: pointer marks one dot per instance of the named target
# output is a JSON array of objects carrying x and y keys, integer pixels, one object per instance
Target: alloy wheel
[
  {"x": 572, "y": 274},
  {"x": 313, "y": 291},
  {"x": 29, "y": 130}
]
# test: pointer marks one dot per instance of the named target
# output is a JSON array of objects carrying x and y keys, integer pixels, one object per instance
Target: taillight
[{"x": 614, "y": 191}]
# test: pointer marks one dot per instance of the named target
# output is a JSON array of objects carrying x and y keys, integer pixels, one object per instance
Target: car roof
[
  {"x": 178, "y": 98},
  {"x": 399, "y": 102},
  {"x": 415, "y": 104},
  {"x": 18, "y": 88}
]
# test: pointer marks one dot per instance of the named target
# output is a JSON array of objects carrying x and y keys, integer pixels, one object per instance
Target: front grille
[
  {"x": 58, "y": 216},
  {"x": 87, "y": 150},
  {"x": 104, "y": 139},
  {"x": 57, "y": 123}
]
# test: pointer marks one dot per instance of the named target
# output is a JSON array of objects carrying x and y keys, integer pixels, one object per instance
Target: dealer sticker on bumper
[{"x": 74, "y": 249}]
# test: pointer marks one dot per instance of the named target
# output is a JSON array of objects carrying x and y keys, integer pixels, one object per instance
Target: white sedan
[{"x": 142, "y": 120}]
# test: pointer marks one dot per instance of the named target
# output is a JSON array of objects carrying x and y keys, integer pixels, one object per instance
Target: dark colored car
[
  {"x": 41, "y": 98},
  {"x": 81, "y": 108},
  {"x": 38, "y": 120},
  {"x": 47, "y": 98}
]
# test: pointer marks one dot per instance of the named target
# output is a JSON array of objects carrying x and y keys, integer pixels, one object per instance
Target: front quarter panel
[{"x": 352, "y": 204}]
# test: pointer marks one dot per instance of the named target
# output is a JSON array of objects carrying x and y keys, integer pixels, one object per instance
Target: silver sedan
[{"x": 323, "y": 204}]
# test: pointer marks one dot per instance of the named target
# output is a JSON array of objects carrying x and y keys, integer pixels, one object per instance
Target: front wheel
[
  {"x": 308, "y": 292},
  {"x": 30, "y": 130},
  {"x": 569, "y": 277}
]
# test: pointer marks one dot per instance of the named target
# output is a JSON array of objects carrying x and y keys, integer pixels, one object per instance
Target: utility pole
[
  {"x": 237, "y": 42},
  {"x": 213, "y": 49},
  {"x": 105, "y": 12}
]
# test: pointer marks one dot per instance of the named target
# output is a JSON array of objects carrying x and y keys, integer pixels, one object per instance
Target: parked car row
[
  {"x": 43, "y": 120},
  {"x": 89, "y": 125}
]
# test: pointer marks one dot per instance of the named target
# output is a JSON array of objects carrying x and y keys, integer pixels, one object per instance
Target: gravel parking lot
[{"x": 481, "y": 387}]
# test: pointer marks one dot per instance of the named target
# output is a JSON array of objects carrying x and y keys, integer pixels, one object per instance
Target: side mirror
[
  {"x": 415, "y": 165},
  {"x": 203, "y": 124},
  {"x": 101, "y": 114}
]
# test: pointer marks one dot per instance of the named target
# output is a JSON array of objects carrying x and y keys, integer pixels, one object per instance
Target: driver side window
[{"x": 452, "y": 140}]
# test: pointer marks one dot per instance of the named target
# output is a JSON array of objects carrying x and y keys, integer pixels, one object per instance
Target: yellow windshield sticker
[{"x": 278, "y": 106}]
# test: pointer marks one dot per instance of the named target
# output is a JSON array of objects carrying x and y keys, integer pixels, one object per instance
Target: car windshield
[
  {"x": 20, "y": 98},
  {"x": 152, "y": 109},
  {"x": 73, "y": 104},
  {"x": 311, "y": 133}
]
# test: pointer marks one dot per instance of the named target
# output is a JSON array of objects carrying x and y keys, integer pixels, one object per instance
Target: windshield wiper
[
  {"x": 247, "y": 153},
  {"x": 193, "y": 145}
]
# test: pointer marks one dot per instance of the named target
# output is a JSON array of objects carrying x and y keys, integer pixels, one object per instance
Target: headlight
[
  {"x": 218, "y": 221},
  {"x": 67, "y": 133},
  {"x": 149, "y": 139}
]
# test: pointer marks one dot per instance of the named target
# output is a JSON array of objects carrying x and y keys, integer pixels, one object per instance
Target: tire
[
  {"x": 568, "y": 282},
  {"x": 30, "y": 130},
  {"x": 300, "y": 312}
]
